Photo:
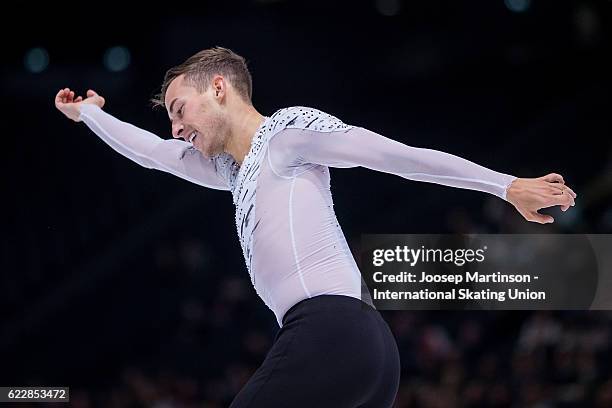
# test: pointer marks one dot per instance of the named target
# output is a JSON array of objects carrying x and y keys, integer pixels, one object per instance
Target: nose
[{"x": 177, "y": 131}]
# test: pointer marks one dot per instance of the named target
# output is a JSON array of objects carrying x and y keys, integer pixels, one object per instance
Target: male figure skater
[{"x": 332, "y": 350}]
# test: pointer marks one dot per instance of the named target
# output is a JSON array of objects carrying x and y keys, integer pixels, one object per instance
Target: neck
[{"x": 242, "y": 132}]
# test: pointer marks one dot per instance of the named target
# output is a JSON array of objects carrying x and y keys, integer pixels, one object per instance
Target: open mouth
[{"x": 192, "y": 137}]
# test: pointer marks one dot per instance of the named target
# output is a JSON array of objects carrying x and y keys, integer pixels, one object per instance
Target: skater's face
[{"x": 198, "y": 118}]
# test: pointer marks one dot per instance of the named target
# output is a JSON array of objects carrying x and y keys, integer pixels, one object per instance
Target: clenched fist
[{"x": 71, "y": 106}]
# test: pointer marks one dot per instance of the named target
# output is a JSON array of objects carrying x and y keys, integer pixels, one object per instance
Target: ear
[{"x": 219, "y": 87}]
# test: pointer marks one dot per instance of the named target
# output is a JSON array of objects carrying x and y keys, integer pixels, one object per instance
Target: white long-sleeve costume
[{"x": 292, "y": 243}]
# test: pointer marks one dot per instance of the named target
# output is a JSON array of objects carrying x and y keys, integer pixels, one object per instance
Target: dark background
[{"x": 129, "y": 285}]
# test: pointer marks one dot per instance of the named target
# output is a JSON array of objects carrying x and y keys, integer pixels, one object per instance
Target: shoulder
[
  {"x": 292, "y": 132},
  {"x": 302, "y": 117}
]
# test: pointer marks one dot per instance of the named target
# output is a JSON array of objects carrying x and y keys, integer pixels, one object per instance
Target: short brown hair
[{"x": 200, "y": 68}]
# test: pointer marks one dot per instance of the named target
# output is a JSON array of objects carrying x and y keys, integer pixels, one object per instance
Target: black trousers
[{"x": 332, "y": 351}]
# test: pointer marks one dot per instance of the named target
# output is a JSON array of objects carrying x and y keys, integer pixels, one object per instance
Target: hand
[
  {"x": 528, "y": 195},
  {"x": 71, "y": 107}
]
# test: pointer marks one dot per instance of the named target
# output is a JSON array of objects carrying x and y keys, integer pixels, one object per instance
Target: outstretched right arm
[{"x": 145, "y": 148}]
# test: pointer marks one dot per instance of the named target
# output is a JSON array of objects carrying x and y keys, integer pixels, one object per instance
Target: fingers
[
  {"x": 64, "y": 96},
  {"x": 540, "y": 218},
  {"x": 58, "y": 98},
  {"x": 557, "y": 189},
  {"x": 557, "y": 180},
  {"x": 534, "y": 216},
  {"x": 569, "y": 193},
  {"x": 564, "y": 199},
  {"x": 554, "y": 178},
  {"x": 563, "y": 189},
  {"x": 98, "y": 100}
]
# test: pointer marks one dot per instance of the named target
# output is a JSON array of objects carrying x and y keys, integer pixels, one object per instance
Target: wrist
[
  {"x": 511, "y": 189},
  {"x": 82, "y": 108}
]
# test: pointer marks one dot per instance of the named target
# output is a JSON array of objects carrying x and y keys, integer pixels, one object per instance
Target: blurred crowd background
[{"x": 129, "y": 285}]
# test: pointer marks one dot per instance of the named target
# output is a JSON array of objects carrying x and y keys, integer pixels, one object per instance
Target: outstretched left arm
[{"x": 357, "y": 146}]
